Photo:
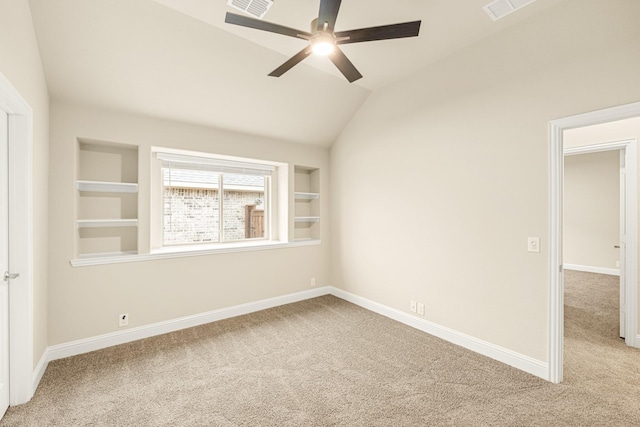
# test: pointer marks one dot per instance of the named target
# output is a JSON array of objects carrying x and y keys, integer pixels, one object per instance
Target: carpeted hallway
[{"x": 326, "y": 362}]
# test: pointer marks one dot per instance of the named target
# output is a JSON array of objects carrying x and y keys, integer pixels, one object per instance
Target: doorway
[
  {"x": 628, "y": 257},
  {"x": 594, "y": 208}
]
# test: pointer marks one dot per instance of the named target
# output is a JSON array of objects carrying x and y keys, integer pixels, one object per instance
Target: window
[{"x": 208, "y": 200}]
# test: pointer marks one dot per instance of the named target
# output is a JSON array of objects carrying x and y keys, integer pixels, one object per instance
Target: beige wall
[
  {"x": 85, "y": 301},
  {"x": 20, "y": 64},
  {"x": 469, "y": 135},
  {"x": 592, "y": 209}
]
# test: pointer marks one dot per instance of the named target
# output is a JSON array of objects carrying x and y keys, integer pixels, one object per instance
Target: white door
[
  {"x": 623, "y": 240},
  {"x": 4, "y": 264}
]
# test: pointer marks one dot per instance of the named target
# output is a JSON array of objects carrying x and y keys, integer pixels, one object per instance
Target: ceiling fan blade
[
  {"x": 384, "y": 32},
  {"x": 297, "y": 58},
  {"x": 245, "y": 21},
  {"x": 328, "y": 13},
  {"x": 344, "y": 65}
]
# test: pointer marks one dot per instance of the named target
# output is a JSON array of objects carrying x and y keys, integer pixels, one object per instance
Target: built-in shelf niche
[
  {"x": 307, "y": 203},
  {"x": 107, "y": 199}
]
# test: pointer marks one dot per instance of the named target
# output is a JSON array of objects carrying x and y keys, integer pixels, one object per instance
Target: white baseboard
[
  {"x": 38, "y": 371},
  {"x": 73, "y": 348},
  {"x": 517, "y": 360},
  {"x": 501, "y": 354},
  {"x": 591, "y": 269}
]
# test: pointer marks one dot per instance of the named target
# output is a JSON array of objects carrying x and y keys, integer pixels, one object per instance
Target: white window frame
[{"x": 276, "y": 204}]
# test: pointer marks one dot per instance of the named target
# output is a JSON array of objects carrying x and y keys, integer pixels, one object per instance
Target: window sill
[{"x": 180, "y": 252}]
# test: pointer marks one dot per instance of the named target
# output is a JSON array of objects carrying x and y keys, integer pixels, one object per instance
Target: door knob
[{"x": 10, "y": 276}]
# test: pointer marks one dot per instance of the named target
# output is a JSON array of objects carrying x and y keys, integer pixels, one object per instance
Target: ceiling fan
[{"x": 323, "y": 40}]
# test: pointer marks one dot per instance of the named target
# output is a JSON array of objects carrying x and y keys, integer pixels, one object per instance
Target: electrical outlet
[
  {"x": 413, "y": 306},
  {"x": 313, "y": 282},
  {"x": 123, "y": 319},
  {"x": 533, "y": 244},
  {"x": 421, "y": 309}
]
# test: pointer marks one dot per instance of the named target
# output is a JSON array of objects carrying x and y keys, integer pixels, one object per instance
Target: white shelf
[
  {"x": 306, "y": 196},
  {"x": 307, "y": 219},
  {"x": 96, "y": 223},
  {"x": 107, "y": 187}
]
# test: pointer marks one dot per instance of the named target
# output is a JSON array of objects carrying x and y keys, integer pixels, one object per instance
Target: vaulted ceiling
[{"x": 178, "y": 60}]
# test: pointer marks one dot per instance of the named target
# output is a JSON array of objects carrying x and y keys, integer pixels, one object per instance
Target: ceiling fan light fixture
[{"x": 323, "y": 45}]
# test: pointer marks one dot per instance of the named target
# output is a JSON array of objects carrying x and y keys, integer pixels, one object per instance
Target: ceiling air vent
[
  {"x": 255, "y": 8},
  {"x": 500, "y": 8}
]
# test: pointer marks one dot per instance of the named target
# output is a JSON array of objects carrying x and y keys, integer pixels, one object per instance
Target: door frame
[
  {"x": 20, "y": 115},
  {"x": 555, "y": 263}
]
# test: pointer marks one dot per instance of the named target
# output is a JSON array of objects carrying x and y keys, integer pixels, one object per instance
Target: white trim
[
  {"x": 207, "y": 162},
  {"x": 597, "y": 148},
  {"x": 115, "y": 338},
  {"x": 631, "y": 243},
  {"x": 592, "y": 269},
  {"x": 114, "y": 254},
  {"x": 20, "y": 241},
  {"x": 107, "y": 187},
  {"x": 106, "y": 223},
  {"x": 213, "y": 156},
  {"x": 517, "y": 360},
  {"x": 40, "y": 368},
  {"x": 307, "y": 219},
  {"x": 168, "y": 252},
  {"x": 556, "y": 291},
  {"x": 299, "y": 195}
]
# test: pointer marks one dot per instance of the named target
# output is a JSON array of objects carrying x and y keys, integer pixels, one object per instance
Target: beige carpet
[{"x": 325, "y": 362}]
